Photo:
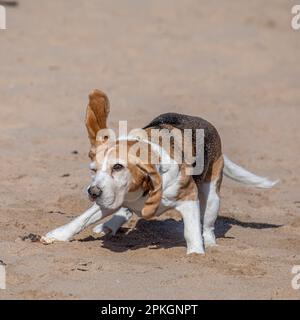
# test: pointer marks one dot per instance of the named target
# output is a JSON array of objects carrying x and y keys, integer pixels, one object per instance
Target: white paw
[
  {"x": 195, "y": 249},
  {"x": 209, "y": 239},
  {"x": 54, "y": 236},
  {"x": 46, "y": 240},
  {"x": 113, "y": 225},
  {"x": 102, "y": 228}
]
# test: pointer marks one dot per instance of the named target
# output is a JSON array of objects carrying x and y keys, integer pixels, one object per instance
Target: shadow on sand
[{"x": 168, "y": 233}]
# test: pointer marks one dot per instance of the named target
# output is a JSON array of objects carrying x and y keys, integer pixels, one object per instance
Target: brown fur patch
[
  {"x": 145, "y": 176},
  {"x": 188, "y": 188},
  {"x": 96, "y": 118},
  {"x": 216, "y": 173}
]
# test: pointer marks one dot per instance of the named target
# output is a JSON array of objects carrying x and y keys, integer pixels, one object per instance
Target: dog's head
[{"x": 117, "y": 174}]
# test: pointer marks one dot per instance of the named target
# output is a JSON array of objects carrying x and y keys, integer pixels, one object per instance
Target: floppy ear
[
  {"x": 153, "y": 185},
  {"x": 96, "y": 116}
]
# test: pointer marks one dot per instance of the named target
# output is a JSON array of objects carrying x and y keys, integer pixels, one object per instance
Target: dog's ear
[
  {"x": 96, "y": 117},
  {"x": 152, "y": 184}
]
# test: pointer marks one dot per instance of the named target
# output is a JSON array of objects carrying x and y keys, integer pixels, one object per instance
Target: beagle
[{"x": 123, "y": 182}]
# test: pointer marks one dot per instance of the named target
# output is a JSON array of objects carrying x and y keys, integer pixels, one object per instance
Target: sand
[{"x": 235, "y": 63}]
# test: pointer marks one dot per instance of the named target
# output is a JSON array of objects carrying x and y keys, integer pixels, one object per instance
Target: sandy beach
[{"x": 234, "y": 63}]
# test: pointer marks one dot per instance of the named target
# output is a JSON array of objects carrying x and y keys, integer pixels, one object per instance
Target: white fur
[
  {"x": 240, "y": 174},
  {"x": 93, "y": 165},
  {"x": 190, "y": 211},
  {"x": 210, "y": 208},
  {"x": 115, "y": 223},
  {"x": 114, "y": 186},
  {"x": 66, "y": 232}
]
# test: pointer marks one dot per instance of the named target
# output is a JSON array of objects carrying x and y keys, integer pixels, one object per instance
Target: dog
[{"x": 123, "y": 183}]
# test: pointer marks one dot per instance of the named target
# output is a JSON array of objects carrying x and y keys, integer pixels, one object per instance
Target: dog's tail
[{"x": 237, "y": 173}]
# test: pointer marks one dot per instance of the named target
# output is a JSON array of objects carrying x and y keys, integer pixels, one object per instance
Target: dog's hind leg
[
  {"x": 190, "y": 212},
  {"x": 210, "y": 202},
  {"x": 211, "y": 209},
  {"x": 115, "y": 223}
]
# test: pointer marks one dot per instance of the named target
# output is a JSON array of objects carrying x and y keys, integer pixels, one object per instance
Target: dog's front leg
[
  {"x": 190, "y": 212},
  {"x": 115, "y": 223},
  {"x": 67, "y": 231}
]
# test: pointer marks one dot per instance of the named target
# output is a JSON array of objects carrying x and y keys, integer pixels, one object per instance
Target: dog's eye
[
  {"x": 93, "y": 170},
  {"x": 118, "y": 167}
]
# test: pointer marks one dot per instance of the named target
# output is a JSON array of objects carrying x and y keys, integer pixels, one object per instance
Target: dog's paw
[
  {"x": 57, "y": 235},
  {"x": 102, "y": 228},
  {"x": 209, "y": 239},
  {"x": 46, "y": 240},
  {"x": 195, "y": 247},
  {"x": 195, "y": 250}
]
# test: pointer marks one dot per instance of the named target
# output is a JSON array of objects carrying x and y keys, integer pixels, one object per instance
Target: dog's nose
[{"x": 94, "y": 191}]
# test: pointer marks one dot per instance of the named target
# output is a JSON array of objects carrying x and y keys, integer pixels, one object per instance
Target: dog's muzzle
[{"x": 94, "y": 192}]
